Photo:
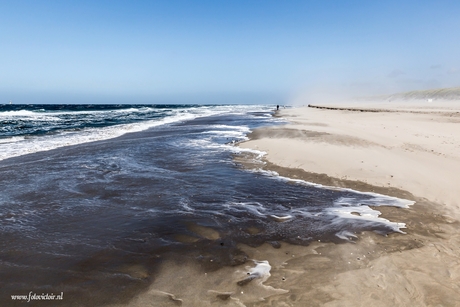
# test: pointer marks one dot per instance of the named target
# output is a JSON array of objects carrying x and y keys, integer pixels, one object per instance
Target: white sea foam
[
  {"x": 18, "y": 113},
  {"x": 351, "y": 207},
  {"x": 261, "y": 270},
  {"x": 253, "y": 207},
  {"x": 17, "y": 146},
  {"x": 42, "y": 113},
  {"x": 366, "y": 214},
  {"x": 27, "y": 115},
  {"x": 227, "y": 133},
  {"x": 12, "y": 139},
  {"x": 230, "y": 147},
  {"x": 185, "y": 205}
]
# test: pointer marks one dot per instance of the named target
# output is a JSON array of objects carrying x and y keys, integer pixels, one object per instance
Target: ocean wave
[
  {"x": 27, "y": 115},
  {"x": 18, "y": 146},
  {"x": 76, "y": 133}
]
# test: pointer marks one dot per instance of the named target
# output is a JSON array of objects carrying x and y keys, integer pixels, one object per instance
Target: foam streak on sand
[
  {"x": 400, "y": 150},
  {"x": 349, "y": 207}
]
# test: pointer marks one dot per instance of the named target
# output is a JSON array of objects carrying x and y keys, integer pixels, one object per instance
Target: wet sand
[
  {"x": 412, "y": 155},
  {"x": 417, "y": 269}
]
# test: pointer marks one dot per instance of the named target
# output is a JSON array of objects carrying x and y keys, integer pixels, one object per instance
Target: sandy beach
[
  {"x": 409, "y": 150},
  {"x": 406, "y": 151},
  {"x": 230, "y": 154}
]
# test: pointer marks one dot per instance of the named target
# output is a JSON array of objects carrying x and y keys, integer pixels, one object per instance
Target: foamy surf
[
  {"x": 51, "y": 129},
  {"x": 17, "y": 146}
]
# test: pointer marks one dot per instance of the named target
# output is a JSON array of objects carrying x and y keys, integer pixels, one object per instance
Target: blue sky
[{"x": 223, "y": 51}]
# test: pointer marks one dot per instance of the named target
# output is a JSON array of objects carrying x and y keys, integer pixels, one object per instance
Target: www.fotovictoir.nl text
[{"x": 38, "y": 297}]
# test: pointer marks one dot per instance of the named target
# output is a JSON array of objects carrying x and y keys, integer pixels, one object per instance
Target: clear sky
[{"x": 223, "y": 51}]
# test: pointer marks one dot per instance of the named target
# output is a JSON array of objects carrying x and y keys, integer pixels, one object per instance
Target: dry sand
[
  {"x": 417, "y": 151},
  {"x": 411, "y": 152}
]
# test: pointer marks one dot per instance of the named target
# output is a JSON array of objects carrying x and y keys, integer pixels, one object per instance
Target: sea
[{"x": 87, "y": 190}]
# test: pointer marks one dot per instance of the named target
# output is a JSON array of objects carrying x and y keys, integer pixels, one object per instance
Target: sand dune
[
  {"x": 452, "y": 93},
  {"x": 440, "y": 94}
]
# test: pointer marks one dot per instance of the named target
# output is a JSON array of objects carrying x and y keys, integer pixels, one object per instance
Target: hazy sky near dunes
[{"x": 223, "y": 51}]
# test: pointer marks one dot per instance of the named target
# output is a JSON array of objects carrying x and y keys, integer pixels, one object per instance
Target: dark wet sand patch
[{"x": 300, "y": 275}]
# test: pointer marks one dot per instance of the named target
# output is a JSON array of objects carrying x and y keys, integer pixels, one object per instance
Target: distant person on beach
[{"x": 277, "y": 107}]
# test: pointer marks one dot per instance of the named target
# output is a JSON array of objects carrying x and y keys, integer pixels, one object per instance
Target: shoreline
[
  {"x": 419, "y": 153},
  {"x": 418, "y": 268}
]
